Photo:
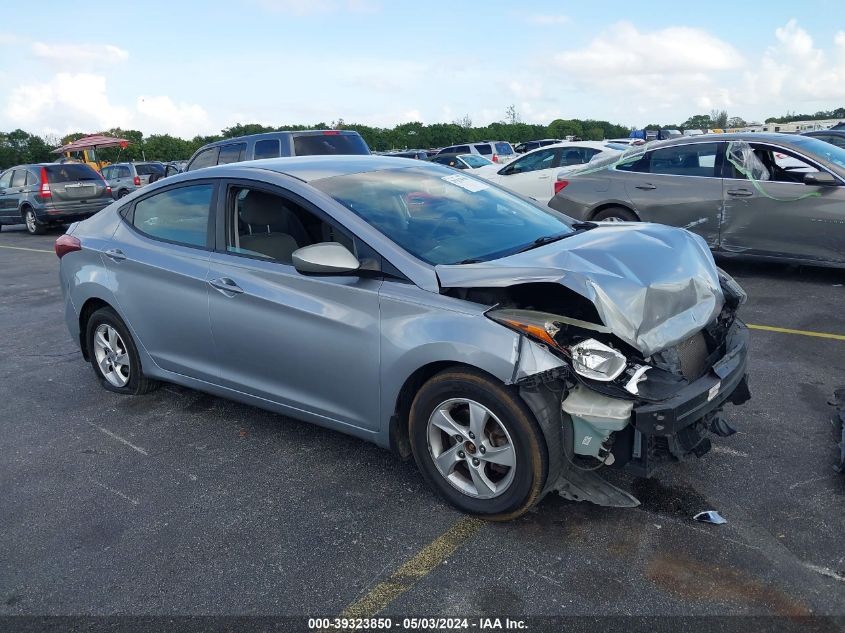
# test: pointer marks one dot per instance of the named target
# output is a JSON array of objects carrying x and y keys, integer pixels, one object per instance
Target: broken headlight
[
  {"x": 596, "y": 360},
  {"x": 589, "y": 358}
]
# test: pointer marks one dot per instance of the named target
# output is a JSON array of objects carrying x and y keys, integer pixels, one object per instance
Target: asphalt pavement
[{"x": 182, "y": 503}]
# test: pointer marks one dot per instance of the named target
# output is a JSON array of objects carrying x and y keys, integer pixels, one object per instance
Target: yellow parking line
[
  {"x": 413, "y": 570},
  {"x": 21, "y": 248},
  {"x": 785, "y": 330}
]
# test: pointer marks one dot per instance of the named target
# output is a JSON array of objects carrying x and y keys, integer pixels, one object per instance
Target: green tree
[
  {"x": 698, "y": 122},
  {"x": 561, "y": 128}
]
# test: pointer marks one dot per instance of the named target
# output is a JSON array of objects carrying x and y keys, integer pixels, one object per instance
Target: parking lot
[{"x": 182, "y": 503}]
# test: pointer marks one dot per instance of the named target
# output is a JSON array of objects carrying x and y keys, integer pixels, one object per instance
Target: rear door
[
  {"x": 74, "y": 186},
  {"x": 679, "y": 185},
  {"x": 778, "y": 215},
  {"x": 159, "y": 261}
]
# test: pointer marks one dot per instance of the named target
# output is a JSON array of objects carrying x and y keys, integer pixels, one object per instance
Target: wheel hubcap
[
  {"x": 471, "y": 448},
  {"x": 111, "y": 355},
  {"x": 30, "y": 221}
]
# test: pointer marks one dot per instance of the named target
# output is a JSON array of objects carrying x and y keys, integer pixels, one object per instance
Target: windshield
[
  {"x": 443, "y": 217},
  {"x": 822, "y": 149},
  {"x": 473, "y": 160}
]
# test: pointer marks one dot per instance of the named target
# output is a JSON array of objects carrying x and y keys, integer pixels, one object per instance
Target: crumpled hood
[{"x": 653, "y": 285}]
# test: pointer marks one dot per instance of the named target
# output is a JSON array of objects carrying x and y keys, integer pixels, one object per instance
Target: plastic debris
[{"x": 710, "y": 516}]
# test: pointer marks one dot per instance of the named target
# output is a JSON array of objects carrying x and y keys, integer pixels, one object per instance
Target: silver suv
[
  {"x": 124, "y": 178},
  {"x": 497, "y": 151},
  {"x": 47, "y": 194}
]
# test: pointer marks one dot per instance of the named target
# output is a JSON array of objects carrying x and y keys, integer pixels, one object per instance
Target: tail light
[
  {"x": 560, "y": 185},
  {"x": 67, "y": 244},
  {"x": 137, "y": 181},
  {"x": 331, "y": 132},
  {"x": 106, "y": 184},
  {"x": 44, "y": 189},
  {"x": 495, "y": 158}
]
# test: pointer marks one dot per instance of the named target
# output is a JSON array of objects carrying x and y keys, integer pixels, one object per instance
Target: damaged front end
[{"x": 619, "y": 388}]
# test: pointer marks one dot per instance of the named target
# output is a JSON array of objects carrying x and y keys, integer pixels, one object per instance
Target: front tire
[
  {"x": 33, "y": 226},
  {"x": 477, "y": 444},
  {"x": 114, "y": 356}
]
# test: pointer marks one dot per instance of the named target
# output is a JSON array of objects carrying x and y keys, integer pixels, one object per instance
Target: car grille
[{"x": 693, "y": 355}]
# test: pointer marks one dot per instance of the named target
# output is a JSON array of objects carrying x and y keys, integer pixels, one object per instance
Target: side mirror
[
  {"x": 325, "y": 258},
  {"x": 821, "y": 178}
]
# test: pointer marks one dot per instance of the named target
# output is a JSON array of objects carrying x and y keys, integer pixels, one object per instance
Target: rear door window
[
  {"x": 123, "y": 172},
  {"x": 19, "y": 178},
  {"x": 70, "y": 172},
  {"x": 697, "y": 159},
  {"x": 329, "y": 143},
  {"x": 206, "y": 158},
  {"x": 484, "y": 149},
  {"x": 268, "y": 148},
  {"x": 176, "y": 215},
  {"x": 231, "y": 153}
]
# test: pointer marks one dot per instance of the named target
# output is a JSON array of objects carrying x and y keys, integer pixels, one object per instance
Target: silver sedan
[{"x": 509, "y": 350}]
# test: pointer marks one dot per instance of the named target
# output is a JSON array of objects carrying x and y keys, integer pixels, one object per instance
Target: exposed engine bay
[{"x": 624, "y": 385}]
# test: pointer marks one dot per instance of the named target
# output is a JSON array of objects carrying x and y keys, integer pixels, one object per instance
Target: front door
[
  {"x": 310, "y": 343},
  {"x": 776, "y": 214}
]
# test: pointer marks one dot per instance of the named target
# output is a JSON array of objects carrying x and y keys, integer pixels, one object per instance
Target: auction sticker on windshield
[{"x": 466, "y": 183}]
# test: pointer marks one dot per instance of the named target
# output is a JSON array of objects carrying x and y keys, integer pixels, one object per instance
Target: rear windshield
[
  {"x": 313, "y": 144},
  {"x": 70, "y": 172},
  {"x": 504, "y": 149},
  {"x": 149, "y": 168}
]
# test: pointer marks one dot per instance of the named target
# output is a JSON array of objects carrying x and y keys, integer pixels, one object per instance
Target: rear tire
[
  {"x": 616, "y": 214},
  {"x": 114, "y": 355},
  {"x": 33, "y": 226},
  {"x": 498, "y": 467},
  {"x": 122, "y": 193}
]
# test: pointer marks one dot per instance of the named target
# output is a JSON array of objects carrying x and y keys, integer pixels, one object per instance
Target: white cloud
[
  {"x": 795, "y": 70},
  {"x": 79, "y": 101},
  {"x": 623, "y": 50},
  {"x": 547, "y": 20},
  {"x": 161, "y": 114},
  {"x": 74, "y": 55}
]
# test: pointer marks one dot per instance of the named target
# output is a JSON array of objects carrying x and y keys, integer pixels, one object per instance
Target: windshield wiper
[{"x": 548, "y": 239}]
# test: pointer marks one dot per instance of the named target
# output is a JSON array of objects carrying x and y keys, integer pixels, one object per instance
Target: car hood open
[{"x": 652, "y": 285}]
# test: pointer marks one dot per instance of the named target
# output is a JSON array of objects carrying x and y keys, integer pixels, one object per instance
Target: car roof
[
  {"x": 309, "y": 168},
  {"x": 275, "y": 135},
  {"x": 751, "y": 137}
]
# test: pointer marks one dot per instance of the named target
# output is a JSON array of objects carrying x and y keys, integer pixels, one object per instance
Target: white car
[{"x": 534, "y": 173}]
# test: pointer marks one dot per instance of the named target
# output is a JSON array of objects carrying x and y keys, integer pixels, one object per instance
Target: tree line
[{"x": 19, "y": 147}]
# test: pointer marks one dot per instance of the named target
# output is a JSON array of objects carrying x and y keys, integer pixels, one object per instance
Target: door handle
[
  {"x": 226, "y": 285},
  {"x": 546, "y": 177},
  {"x": 646, "y": 186},
  {"x": 740, "y": 193},
  {"x": 115, "y": 254}
]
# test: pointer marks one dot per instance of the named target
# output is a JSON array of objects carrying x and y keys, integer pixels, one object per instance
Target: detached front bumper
[{"x": 674, "y": 428}]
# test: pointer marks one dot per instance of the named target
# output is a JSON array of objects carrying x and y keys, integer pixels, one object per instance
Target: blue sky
[{"x": 193, "y": 68}]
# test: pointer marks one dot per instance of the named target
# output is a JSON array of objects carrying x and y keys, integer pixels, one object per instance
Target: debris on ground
[{"x": 710, "y": 516}]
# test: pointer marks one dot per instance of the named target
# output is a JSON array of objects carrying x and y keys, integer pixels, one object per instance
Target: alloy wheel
[
  {"x": 111, "y": 355},
  {"x": 471, "y": 448}
]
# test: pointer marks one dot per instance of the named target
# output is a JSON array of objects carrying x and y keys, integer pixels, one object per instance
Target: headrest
[{"x": 262, "y": 208}]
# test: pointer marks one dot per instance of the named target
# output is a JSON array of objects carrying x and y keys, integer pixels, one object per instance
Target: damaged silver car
[{"x": 508, "y": 349}]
